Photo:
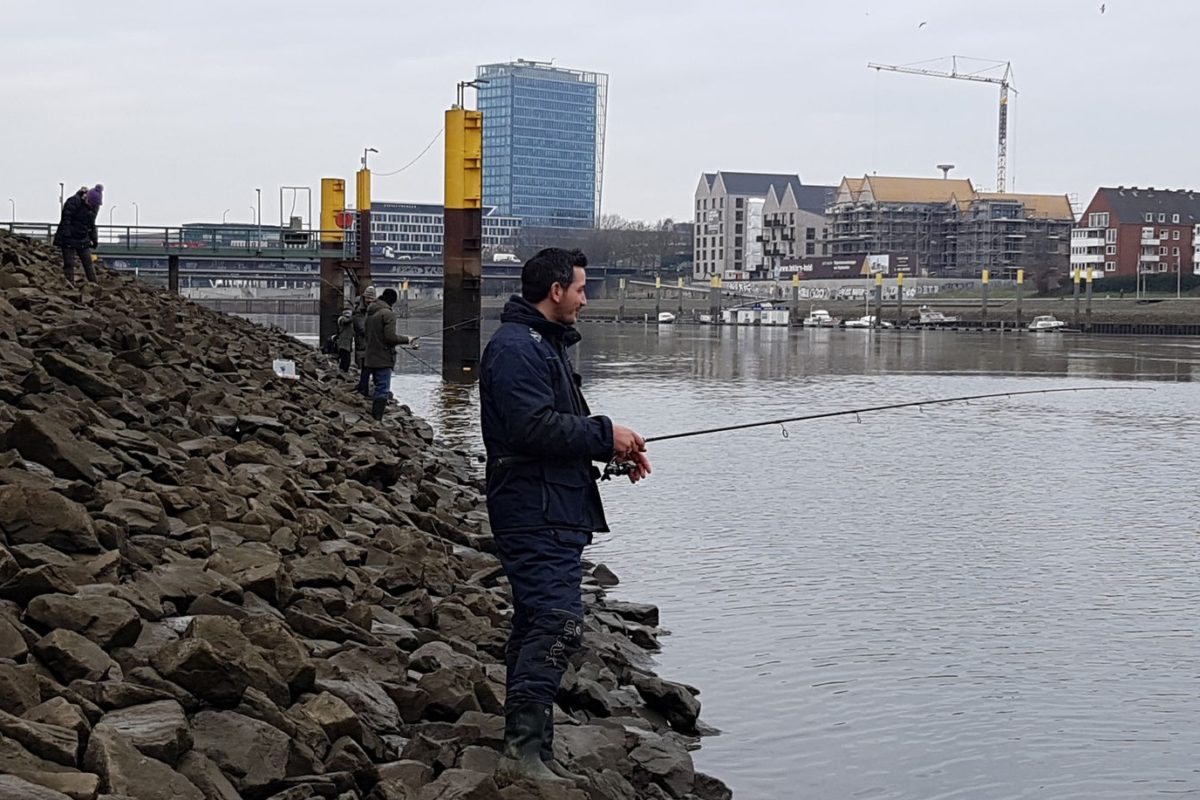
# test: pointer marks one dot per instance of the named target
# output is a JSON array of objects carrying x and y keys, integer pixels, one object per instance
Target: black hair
[
  {"x": 550, "y": 266},
  {"x": 389, "y": 296}
]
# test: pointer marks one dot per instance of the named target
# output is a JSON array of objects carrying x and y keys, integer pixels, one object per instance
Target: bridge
[{"x": 213, "y": 256}]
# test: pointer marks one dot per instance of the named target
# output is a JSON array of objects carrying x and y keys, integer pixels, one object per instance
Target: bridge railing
[{"x": 196, "y": 240}]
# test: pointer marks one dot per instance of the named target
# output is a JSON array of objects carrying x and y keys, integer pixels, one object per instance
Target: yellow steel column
[{"x": 462, "y": 248}]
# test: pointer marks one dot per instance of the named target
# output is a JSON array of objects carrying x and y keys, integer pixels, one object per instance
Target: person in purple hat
[{"x": 76, "y": 234}]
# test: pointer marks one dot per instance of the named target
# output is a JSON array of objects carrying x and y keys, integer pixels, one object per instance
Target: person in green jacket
[
  {"x": 381, "y": 349},
  {"x": 345, "y": 340}
]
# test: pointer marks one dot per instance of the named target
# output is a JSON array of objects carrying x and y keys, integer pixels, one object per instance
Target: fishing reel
[{"x": 616, "y": 467}]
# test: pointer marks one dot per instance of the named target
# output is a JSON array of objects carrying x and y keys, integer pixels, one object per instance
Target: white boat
[
  {"x": 867, "y": 322},
  {"x": 927, "y": 316},
  {"x": 819, "y": 319},
  {"x": 706, "y": 319},
  {"x": 665, "y": 317},
  {"x": 1046, "y": 323}
]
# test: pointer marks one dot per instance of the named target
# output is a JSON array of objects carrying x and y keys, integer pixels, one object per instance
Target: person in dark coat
[
  {"x": 76, "y": 234},
  {"x": 359, "y": 319},
  {"x": 380, "y": 354},
  {"x": 542, "y": 497},
  {"x": 344, "y": 341}
]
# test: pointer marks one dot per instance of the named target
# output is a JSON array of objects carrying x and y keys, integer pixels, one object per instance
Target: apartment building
[
  {"x": 1129, "y": 230},
  {"x": 746, "y": 221}
]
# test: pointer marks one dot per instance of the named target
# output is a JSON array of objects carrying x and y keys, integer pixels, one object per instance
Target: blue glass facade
[{"x": 543, "y": 143}]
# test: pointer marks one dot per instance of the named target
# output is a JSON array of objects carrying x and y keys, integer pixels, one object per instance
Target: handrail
[{"x": 196, "y": 240}]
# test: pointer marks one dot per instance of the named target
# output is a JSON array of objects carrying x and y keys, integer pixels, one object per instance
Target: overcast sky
[{"x": 186, "y": 108}]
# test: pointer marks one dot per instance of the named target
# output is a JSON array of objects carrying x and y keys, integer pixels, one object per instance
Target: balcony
[
  {"x": 1147, "y": 258},
  {"x": 1087, "y": 259},
  {"x": 1089, "y": 242}
]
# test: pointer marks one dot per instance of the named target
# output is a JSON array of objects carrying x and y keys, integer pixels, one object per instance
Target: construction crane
[{"x": 980, "y": 75}]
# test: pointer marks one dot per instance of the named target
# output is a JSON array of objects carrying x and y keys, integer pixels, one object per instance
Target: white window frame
[
  {"x": 1175, "y": 218},
  {"x": 1110, "y": 250},
  {"x": 1110, "y": 235},
  {"x": 1110, "y": 266},
  {"x": 1162, "y": 217}
]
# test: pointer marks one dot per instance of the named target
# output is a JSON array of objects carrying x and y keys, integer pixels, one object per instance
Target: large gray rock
[
  {"x": 12, "y": 643},
  {"x": 200, "y": 770},
  {"x": 282, "y": 650},
  {"x": 665, "y": 763},
  {"x": 14, "y": 788},
  {"x": 32, "y": 516},
  {"x": 75, "y": 374},
  {"x": 334, "y": 716},
  {"x": 62, "y": 713},
  {"x": 51, "y": 742},
  {"x": 126, "y": 771},
  {"x": 71, "y": 656},
  {"x": 253, "y": 754},
  {"x": 369, "y": 701},
  {"x": 39, "y": 438},
  {"x": 107, "y": 621},
  {"x": 460, "y": 784},
  {"x": 35, "y": 581},
  {"x": 159, "y": 730},
  {"x": 139, "y": 517},
  {"x": 216, "y": 662},
  {"x": 673, "y": 700},
  {"x": 19, "y": 690}
]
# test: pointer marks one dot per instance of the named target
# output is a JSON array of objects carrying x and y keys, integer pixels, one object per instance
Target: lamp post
[
  {"x": 111, "y": 209},
  {"x": 223, "y": 215},
  {"x": 60, "y": 195},
  {"x": 13, "y": 203},
  {"x": 136, "y": 215},
  {"x": 258, "y": 207}
]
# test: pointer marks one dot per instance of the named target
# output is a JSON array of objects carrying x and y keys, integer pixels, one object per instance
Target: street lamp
[
  {"x": 60, "y": 195},
  {"x": 111, "y": 209},
  {"x": 258, "y": 207},
  {"x": 13, "y": 203},
  {"x": 136, "y": 215},
  {"x": 365, "y": 151},
  {"x": 223, "y": 215}
]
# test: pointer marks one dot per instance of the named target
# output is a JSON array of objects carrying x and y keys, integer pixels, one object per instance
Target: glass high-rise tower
[{"x": 543, "y": 142}]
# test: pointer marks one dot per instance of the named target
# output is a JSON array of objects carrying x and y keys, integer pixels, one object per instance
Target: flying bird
[
  {"x": 1103, "y": 6},
  {"x": 922, "y": 25}
]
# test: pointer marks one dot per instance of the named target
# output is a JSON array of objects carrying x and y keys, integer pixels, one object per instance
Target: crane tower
[{"x": 981, "y": 75}]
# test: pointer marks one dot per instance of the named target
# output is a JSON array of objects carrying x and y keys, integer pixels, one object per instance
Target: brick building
[{"x": 1127, "y": 230}]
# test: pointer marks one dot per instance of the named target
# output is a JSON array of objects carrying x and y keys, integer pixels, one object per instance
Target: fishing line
[
  {"x": 619, "y": 467},
  {"x": 913, "y": 404}
]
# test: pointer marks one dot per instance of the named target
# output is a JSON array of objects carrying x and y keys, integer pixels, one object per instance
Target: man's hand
[
  {"x": 626, "y": 442},
  {"x": 629, "y": 446},
  {"x": 641, "y": 466}
]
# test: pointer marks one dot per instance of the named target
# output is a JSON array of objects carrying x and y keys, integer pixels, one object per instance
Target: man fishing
[{"x": 542, "y": 497}]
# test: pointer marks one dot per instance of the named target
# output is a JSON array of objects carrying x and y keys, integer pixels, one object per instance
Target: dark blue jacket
[
  {"x": 540, "y": 436},
  {"x": 77, "y": 225}
]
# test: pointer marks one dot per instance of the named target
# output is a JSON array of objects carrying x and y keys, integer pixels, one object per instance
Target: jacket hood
[
  {"x": 518, "y": 309},
  {"x": 377, "y": 306}
]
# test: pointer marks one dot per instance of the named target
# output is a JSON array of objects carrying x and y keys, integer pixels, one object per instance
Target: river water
[{"x": 993, "y": 600}]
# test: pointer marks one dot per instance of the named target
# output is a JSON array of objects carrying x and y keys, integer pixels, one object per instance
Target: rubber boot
[
  {"x": 547, "y": 753},
  {"x": 378, "y": 406},
  {"x": 521, "y": 760}
]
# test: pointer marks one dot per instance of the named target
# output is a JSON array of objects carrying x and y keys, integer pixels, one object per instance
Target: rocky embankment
[{"x": 216, "y": 583}]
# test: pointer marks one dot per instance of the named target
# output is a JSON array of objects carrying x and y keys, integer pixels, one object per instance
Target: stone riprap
[{"x": 216, "y": 583}]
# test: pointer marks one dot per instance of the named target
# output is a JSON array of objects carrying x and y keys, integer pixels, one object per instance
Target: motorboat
[
  {"x": 665, "y": 317},
  {"x": 1046, "y": 324},
  {"x": 926, "y": 316},
  {"x": 868, "y": 321},
  {"x": 706, "y": 319},
  {"x": 820, "y": 319}
]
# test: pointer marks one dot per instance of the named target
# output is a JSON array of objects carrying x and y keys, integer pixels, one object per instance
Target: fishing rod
[
  {"x": 447, "y": 328},
  {"x": 617, "y": 467}
]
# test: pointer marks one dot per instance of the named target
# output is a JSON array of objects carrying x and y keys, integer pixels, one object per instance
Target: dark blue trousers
[{"x": 544, "y": 570}]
